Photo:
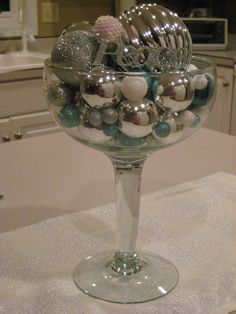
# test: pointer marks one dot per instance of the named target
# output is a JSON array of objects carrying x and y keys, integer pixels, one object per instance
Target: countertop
[
  {"x": 49, "y": 175},
  {"x": 221, "y": 57}
]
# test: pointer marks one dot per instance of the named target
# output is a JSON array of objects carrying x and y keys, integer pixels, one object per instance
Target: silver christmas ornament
[
  {"x": 154, "y": 26},
  {"x": 109, "y": 115},
  {"x": 175, "y": 92},
  {"x": 59, "y": 94},
  {"x": 95, "y": 117},
  {"x": 75, "y": 50},
  {"x": 100, "y": 86},
  {"x": 137, "y": 119}
]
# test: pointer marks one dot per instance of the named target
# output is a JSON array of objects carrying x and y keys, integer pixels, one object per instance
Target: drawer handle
[
  {"x": 226, "y": 83},
  {"x": 18, "y": 135},
  {"x": 6, "y": 138}
]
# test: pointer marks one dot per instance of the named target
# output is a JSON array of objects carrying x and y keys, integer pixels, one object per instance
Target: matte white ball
[
  {"x": 134, "y": 88},
  {"x": 199, "y": 81},
  {"x": 191, "y": 67},
  {"x": 186, "y": 117}
]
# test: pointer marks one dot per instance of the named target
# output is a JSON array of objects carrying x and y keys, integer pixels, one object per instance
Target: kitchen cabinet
[
  {"x": 23, "y": 109},
  {"x": 33, "y": 124},
  {"x": 220, "y": 117},
  {"x": 5, "y": 130},
  {"x": 27, "y": 125}
]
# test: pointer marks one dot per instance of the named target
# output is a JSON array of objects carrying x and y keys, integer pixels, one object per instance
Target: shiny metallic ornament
[
  {"x": 154, "y": 26},
  {"x": 176, "y": 92},
  {"x": 59, "y": 94},
  {"x": 95, "y": 117},
  {"x": 76, "y": 50},
  {"x": 137, "y": 119},
  {"x": 100, "y": 86},
  {"x": 109, "y": 115}
]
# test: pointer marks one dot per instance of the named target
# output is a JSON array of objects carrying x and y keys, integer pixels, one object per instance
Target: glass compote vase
[{"x": 128, "y": 116}]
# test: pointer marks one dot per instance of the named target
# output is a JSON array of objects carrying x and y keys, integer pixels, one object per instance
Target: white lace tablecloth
[{"x": 192, "y": 224}]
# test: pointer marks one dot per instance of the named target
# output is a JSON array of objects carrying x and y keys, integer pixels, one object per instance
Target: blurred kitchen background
[{"x": 29, "y": 28}]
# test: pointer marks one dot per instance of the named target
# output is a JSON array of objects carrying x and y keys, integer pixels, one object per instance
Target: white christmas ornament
[{"x": 134, "y": 88}]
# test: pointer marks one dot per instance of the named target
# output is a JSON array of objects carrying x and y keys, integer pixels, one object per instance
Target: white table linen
[{"x": 192, "y": 224}]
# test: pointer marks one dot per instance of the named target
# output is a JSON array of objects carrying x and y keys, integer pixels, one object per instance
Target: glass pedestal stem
[{"x": 128, "y": 187}]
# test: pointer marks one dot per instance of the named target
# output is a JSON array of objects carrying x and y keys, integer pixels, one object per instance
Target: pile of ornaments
[{"x": 112, "y": 105}]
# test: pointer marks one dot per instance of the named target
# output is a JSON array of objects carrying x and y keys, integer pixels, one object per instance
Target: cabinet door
[
  {"x": 220, "y": 116},
  {"x": 29, "y": 125},
  {"x": 5, "y": 130},
  {"x": 22, "y": 97}
]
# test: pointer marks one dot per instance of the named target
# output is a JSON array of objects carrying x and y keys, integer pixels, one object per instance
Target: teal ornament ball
[
  {"x": 201, "y": 96},
  {"x": 110, "y": 129},
  {"x": 69, "y": 116},
  {"x": 196, "y": 122},
  {"x": 126, "y": 140},
  {"x": 162, "y": 129}
]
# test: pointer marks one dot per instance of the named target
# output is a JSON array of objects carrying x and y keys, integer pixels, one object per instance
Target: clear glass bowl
[
  {"x": 131, "y": 113},
  {"x": 128, "y": 116}
]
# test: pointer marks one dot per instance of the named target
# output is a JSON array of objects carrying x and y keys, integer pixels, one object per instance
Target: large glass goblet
[{"x": 128, "y": 116}]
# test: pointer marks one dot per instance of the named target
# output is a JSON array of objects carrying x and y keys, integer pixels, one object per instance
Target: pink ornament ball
[{"x": 108, "y": 27}]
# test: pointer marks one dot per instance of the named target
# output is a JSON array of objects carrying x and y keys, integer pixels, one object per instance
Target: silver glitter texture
[
  {"x": 74, "y": 49},
  {"x": 59, "y": 95}
]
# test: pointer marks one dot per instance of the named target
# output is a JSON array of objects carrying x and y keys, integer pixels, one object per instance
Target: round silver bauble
[
  {"x": 152, "y": 25},
  {"x": 58, "y": 94},
  {"x": 137, "y": 118},
  {"x": 77, "y": 51},
  {"x": 100, "y": 87},
  {"x": 109, "y": 115},
  {"x": 176, "y": 92}
]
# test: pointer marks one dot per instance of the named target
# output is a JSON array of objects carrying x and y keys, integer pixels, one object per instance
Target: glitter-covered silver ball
[
  {"x": 76, "y": 50},
  {"x": 100, "y": 87},
  {"x": 137, "y": 119},
  {"x": 95, "y": 117},
  {"x": 152, "y": 25},
  {"x": 109, "y": 115},
  {"x": 175, "y": 92},
  {"x": 58, "y": 94}
]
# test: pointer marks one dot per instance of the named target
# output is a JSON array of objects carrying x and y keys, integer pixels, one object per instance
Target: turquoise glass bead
[
  {"x": 162, "y": 129},
  {"x": 126, "y": 140},
  {"x": 110, "y": 129},
  {"x": 201, "y": 96},
  {"x": 197, "y": 121},
  {"x": 69, "y": 116}
]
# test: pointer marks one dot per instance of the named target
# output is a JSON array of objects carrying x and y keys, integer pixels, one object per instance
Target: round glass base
[{"x": 95, "y": 276}]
